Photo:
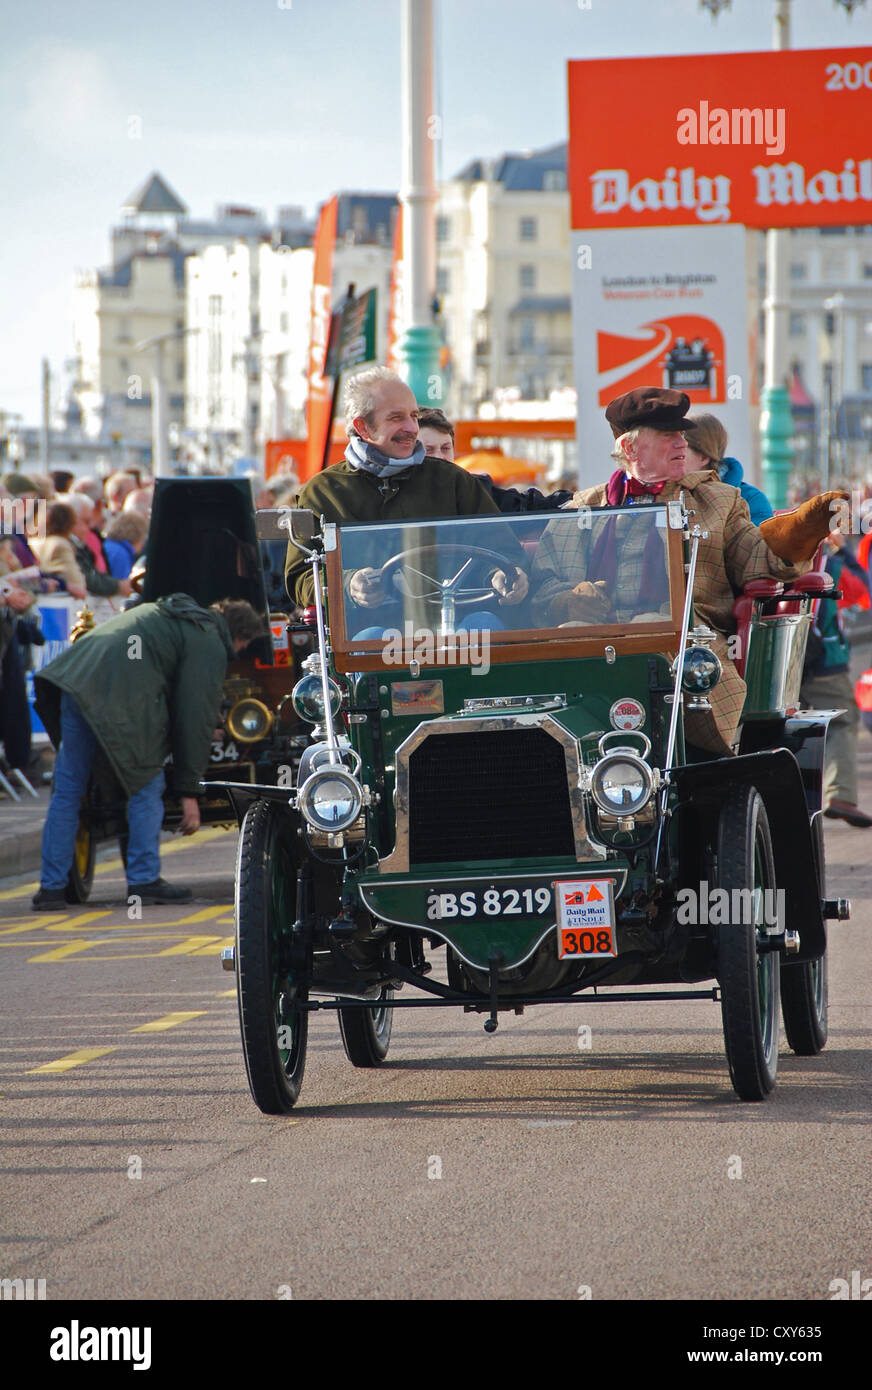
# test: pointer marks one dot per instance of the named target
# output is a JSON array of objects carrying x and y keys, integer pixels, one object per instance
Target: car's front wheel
[
  {"x": 748, "y": 974},
  {"x": 271, "y": 973}
]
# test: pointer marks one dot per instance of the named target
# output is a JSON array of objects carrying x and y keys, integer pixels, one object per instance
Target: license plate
[
  {"x": 585, "y": 919},
  {"x": 483, "y": 902}
]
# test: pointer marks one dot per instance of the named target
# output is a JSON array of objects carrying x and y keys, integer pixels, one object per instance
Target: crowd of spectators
[{"x": 64, "y": 536}]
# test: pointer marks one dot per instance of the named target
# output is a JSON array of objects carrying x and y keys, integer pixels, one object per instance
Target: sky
[{"x": 271, "y": 102}]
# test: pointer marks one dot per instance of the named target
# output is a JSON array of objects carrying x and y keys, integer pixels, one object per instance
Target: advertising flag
[{"x": 319, "y": 420}]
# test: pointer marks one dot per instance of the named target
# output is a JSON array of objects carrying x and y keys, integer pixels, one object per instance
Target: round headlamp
[
  {"x": 249, "y": 720},
  {"x": 330, "y": 799},
  {"x": 621, "y": 783},
  {"x": 701, "y": 670},
  {"x": 307, "y": 698}
]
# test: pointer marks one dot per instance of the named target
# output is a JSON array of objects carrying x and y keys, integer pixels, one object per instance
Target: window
[
  {"x": 283, "y": 323},
  {"x": 528, "y": 277},
  {"x": 867, "y": 271},
  {"x": 527, "y": 229},
  {"x": 443, "y": 280},
  {"x": 443, "y": 228},
  {"x": 798, "y": 270},
  {"x": 554, "y": 180},
  {"x": 797, "y": 325},
  {"x": 866, "y": 376},
  {"x": 527, "y": 335}
]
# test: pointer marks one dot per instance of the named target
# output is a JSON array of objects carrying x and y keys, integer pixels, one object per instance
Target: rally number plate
[
  {"x": 482, "y": 902},
  {"x": 585, "y": 919}
]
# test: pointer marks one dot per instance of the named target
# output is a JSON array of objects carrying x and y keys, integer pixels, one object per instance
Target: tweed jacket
[{"x": 733, "y": 553}]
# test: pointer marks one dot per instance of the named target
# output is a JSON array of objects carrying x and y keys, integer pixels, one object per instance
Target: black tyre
[
  {"x": 366, "y": 1033},
  {"x": 81, "y": 875},
  {"x": 270, "y": 974},
  {"x": 748, "y": 977},
  {"x": 123, "y": 843},
  {"x": 804, "y": 1005}
]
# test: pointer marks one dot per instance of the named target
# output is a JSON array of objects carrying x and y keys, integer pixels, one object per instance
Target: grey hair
[
  {"x": 618, "y": 450},
  {"x": 80, "y": 502},
  {"x": 88, "y": 487},
  {"x": 360, "y": 394}
]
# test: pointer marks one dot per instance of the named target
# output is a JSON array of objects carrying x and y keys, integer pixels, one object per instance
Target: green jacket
[
  {"x": 149, "y": 684},
  {"x": 436, "y": 488}
]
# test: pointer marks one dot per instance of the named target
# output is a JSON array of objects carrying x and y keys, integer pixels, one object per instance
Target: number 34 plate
[{"x": 585, "y": 919}]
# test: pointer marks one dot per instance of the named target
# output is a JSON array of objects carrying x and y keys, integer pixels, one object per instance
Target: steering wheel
[{"x": 397, "y": 569}]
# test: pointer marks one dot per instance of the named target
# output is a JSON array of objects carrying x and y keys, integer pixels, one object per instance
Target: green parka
[
  {"x": 435, "y": 488},
  {"x": 149, "y": 684}
]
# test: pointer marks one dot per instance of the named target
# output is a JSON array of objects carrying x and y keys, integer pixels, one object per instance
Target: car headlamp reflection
[
  {"x": 621, "y": 783},
  {"x": 331, "y": 799}
]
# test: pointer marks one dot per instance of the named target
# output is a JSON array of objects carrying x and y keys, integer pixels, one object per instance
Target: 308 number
[{"x": 586, "y": 943}]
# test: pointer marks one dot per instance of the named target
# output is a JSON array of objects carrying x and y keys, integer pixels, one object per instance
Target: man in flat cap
[{"x": 649, "y": 426}]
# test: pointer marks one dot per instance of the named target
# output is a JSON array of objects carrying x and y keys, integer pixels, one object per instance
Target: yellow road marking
[
  {"x": 83, "y": 918},
  {"x": 72, "y": 1059},
  {"x": 25, "y": 926},
  {"x": 226, "y": 994},
  {"x": 211, "y": 832},
  {"x": 192, "y": 945},
  {"x": 215, "y": 947},
  {"x": 204, "y": 915},
  {"x": 69, "y": 948},
  {"x": 160, "y": 1025}
]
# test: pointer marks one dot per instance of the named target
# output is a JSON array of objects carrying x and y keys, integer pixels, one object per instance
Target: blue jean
[{"x": 72, "y": 770}]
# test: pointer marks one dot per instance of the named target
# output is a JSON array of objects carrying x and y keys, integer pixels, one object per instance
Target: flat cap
[{"x": 651, "y": 407}]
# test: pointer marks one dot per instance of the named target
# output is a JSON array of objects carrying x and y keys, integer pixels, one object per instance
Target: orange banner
[
  {"x": 395, "y": 308},
  {"x": 773, "y": 139},
  {"x": 320, "y": 387}
]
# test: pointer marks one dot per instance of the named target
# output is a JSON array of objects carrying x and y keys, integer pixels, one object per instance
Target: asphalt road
[{"x": 135, "y": 1165}]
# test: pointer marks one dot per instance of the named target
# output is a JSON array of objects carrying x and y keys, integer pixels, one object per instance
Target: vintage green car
[{"x": 515, "y": 797}]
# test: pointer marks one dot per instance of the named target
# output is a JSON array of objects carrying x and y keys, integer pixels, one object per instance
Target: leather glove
[
  {"x": 796, "y": 536},
  {"x": 586, "y": 603}
]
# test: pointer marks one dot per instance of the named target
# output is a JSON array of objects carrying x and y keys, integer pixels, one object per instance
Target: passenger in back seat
[{"x": 649, "y": 426}]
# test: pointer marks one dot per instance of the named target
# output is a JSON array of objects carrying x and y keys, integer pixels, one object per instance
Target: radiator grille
[{"x": 499, "y": 795}]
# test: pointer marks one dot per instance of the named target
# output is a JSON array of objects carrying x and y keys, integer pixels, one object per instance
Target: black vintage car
[{"x": 203, "y": 541}]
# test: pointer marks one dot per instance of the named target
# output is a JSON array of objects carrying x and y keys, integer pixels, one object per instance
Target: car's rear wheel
[
  {"x": 271, "y": 969},
  {"x": 748, "y": 975},
  {"x": 366, "y": 1033},
  {"x": 804, "y": 1003},
  {"x": 81, "y": 876}
]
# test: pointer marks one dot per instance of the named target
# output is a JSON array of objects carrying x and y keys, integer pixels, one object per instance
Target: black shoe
[
  {"x": 50, "y": 900},
  {"x": 159, "y": 892},
  {"x": 846, "y": 810}
]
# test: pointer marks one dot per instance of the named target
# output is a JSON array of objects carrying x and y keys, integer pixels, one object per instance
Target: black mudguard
[{"x": 781, "y": 781}]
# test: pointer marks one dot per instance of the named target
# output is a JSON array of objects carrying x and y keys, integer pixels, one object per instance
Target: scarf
[
  {"x": 365, "y": 456},
  {"x": 620, "y": 486},
  {"x": 654, "y": 584}
]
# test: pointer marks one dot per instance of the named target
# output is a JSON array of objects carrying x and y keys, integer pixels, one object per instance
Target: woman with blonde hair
[{"x": 706, "y": 448}]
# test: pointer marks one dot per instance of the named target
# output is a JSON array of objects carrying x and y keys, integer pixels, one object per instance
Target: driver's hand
[
  {"x": 367, "y": 588},
  {"x": 512, "y": 588}
]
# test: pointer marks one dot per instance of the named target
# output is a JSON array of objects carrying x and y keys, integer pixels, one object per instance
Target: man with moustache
[
  {"x": 575, "y": 580},
  {"x": 387, "y": 477}
]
